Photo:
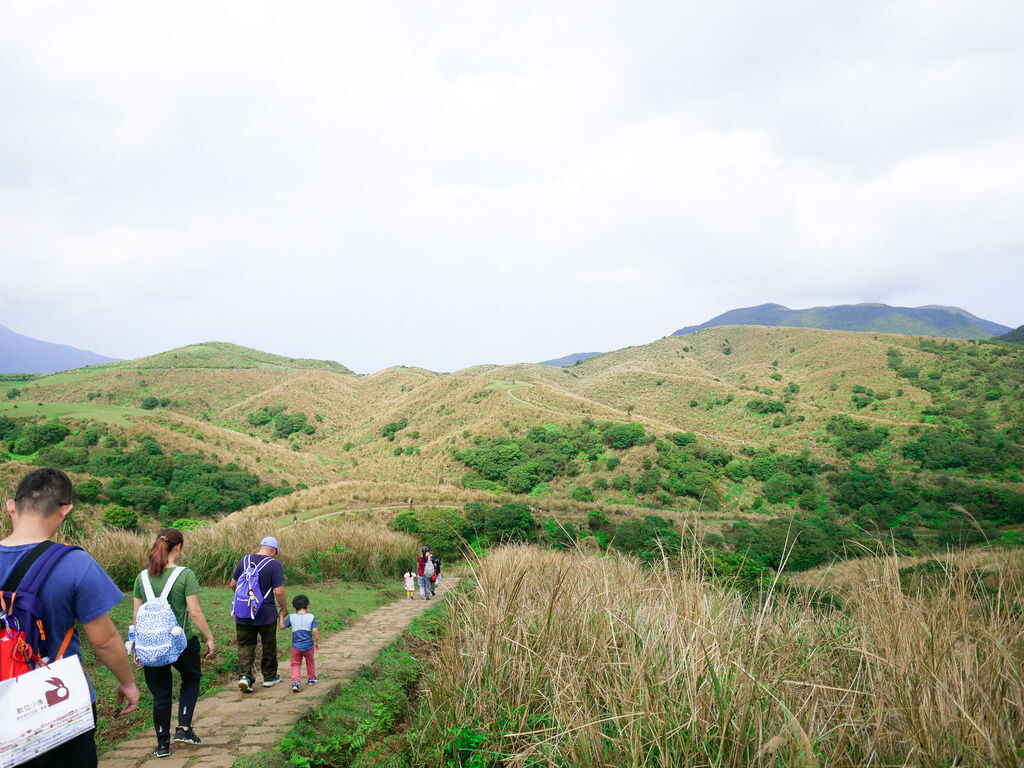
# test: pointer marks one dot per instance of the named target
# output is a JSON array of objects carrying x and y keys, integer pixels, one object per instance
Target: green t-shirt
[{"x": 185, "y": 585}]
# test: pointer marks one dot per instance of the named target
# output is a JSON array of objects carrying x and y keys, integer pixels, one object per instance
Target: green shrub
[
  {"x": 116, "y": 516},
  {"x": 581, "y": 493}
]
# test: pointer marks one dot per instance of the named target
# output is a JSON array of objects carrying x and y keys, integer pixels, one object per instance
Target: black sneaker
[
  {"x": 162, "y": 750},
  {"x": 186, "y": 736},
  {"x": 272, "y": 681}
]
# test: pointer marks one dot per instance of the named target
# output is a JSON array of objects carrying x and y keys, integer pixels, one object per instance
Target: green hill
[
  {"x": 1016, "y": 336},
  {"x": 948, "y": 322},
  {"x": 219, "y": 354}
]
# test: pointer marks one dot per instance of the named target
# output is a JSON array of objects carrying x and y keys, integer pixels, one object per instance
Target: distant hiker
[
  {"x": 410, "y": 581},
  {"x": 256, "y": 618},
  {"x": 295, "y": 519},
  {"x": 178, "y": 586},
  {"x": 424, "y": 571},
  {"x": 437, "y": 573},
  {"x": 71, "y": 587},
  {"x": 305, "y": 637}
]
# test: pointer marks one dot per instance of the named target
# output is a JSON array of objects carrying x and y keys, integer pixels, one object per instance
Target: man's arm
[
  {"x": 106, "y": 642},
  {"x": 282, "y": 601}
]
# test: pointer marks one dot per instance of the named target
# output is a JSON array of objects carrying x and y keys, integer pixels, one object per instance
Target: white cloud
[{"x": 449, "y": 184}]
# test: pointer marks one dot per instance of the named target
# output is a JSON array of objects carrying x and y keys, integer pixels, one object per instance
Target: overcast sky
[{"x": 450, "y": 183}]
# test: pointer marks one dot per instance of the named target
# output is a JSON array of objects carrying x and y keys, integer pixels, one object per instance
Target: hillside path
[{"x": 232, "y": 724}]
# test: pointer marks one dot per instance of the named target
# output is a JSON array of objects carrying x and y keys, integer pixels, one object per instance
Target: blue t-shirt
[
  {"x": 302, "y": 630},
  {"x": 271, "y": 577},
  {"x": 77, "y": 590}
]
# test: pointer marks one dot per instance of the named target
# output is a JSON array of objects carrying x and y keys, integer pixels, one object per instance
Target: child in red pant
[{"x": 305, "y": 638}]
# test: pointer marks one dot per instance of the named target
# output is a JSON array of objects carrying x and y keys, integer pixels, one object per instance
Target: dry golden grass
[
  {"x": 567, "y": 659},
  {"x": 316, "y": 549},
  {"x": 621, "y": 385}
]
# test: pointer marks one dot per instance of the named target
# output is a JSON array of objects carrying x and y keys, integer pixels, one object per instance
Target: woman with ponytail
[{"x": 184, "y": 600}]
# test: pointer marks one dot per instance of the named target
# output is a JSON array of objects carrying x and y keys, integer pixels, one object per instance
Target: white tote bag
[{"x": 42, "y": 709}]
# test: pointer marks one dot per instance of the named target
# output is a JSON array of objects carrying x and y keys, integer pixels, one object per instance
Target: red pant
[{"x": 297, "y": 657}]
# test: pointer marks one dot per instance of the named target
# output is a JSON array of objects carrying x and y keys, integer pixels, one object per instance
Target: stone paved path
[{"x": 231, "y": 723}]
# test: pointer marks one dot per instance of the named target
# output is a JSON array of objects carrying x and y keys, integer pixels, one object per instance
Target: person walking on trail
[
  {"x": 424, "y": 571},
  {"x": 255, "y": 579},
  {"x": 77, "y": 589},
  {"x": 305, "y": 638},
  {"x": 410, "y": 582},
  {"x": 436, "y": 578},
  {"x": 183, "y": 597}
]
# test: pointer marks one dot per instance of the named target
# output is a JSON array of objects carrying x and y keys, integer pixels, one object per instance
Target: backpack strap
[
  {"x": 170, "y": 581},
  {"x": 14, "y": 578},
  {"x": 45, "y": 563},
  {"x": 147, "y": 585}
]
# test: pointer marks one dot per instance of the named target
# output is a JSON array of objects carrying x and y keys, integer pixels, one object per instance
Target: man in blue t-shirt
[
  {"x": 262, "y": 626},
  {"x": 77, "y": 590}
]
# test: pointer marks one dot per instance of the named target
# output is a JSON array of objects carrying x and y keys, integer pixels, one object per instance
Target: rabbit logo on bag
[{"x": 58, "y": 693}]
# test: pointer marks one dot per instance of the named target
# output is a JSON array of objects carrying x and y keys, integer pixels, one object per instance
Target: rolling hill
[
  {"x": 948, "y": 322},
  {"x": 226, "y": 400}
]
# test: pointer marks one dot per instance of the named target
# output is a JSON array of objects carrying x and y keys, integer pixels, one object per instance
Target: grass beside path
[
  {"x": 335, "y": 605},
  {"x": 363, "y": 722}
]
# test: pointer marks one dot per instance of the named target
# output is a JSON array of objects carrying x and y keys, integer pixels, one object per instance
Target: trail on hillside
[{"x": 232, "y": 724}]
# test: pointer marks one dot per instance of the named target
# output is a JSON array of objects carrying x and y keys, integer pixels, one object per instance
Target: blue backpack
[
  {"x": 248, "y": 595},
  {"x": 155, "y": 635},
  {"x": 21, "y": 611}
]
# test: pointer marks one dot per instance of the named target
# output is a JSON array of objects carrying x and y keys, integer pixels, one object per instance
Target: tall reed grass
[
  {"x": 311, "y": 551},
  {"x": 569, "y": 659}
]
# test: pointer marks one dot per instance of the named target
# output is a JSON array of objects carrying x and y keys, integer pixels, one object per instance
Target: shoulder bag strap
[{"x": 15, "y": 577}]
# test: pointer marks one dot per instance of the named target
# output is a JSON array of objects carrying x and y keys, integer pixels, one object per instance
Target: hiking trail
[{"x": 232, "y": 723}]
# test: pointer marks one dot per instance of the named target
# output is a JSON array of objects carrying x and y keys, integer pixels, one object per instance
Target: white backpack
[{"x": 156, "y": 636}]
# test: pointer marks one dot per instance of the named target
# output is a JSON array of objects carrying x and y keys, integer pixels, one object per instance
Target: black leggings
[{"x": 158, "y": 680}]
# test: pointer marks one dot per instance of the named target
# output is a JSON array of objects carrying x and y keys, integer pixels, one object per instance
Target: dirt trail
[{"x": 231, "y": 723}]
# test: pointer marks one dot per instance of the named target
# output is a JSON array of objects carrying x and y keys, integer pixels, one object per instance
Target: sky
[{"x": 444, "y": 184}]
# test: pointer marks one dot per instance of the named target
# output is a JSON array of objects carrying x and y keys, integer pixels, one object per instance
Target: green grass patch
[
  {"x": 357, "y": 725},
  {"x": 335, "y": 604},
  {"x": 110, "y": 414}
]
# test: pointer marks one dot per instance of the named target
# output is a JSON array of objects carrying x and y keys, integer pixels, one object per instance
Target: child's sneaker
[
  {"x": 296, "y": 687},
  {"x": 244, "y": 684},
  {"x": 186, "y": 736},
  {"x": 312, "y": 681}
]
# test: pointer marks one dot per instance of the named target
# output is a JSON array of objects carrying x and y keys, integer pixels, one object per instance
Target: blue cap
[{"x": 269, "y": 541}]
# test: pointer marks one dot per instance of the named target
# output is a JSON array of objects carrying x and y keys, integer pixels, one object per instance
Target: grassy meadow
[{"x": 573, "y": 659}]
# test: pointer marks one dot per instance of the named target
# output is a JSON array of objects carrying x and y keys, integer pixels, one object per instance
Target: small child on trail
[
  {"x": 410, "y": 583},
  {"x": 305, "y": 637}
]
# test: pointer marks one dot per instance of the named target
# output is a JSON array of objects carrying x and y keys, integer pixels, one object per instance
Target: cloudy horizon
[{"x": 443, "y": 185}]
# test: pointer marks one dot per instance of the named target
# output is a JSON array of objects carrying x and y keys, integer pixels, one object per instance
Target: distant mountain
[
  {"x": 21, "y": 354},
  {"x": 575, "y": 357},
  {"x": 951, "y": 322},
  {"x": 1015, "y": 336}
]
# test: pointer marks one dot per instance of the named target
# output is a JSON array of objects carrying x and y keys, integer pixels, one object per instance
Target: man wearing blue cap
[{"x": 255, "y": 577}]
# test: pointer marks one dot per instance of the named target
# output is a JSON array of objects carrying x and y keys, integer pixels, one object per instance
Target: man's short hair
[{"x": 43, "y": 492}]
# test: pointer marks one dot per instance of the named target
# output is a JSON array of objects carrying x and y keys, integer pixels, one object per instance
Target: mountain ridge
[
  {"x": 23, "y": 354},
  {"x": 932, "y": 320}
]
